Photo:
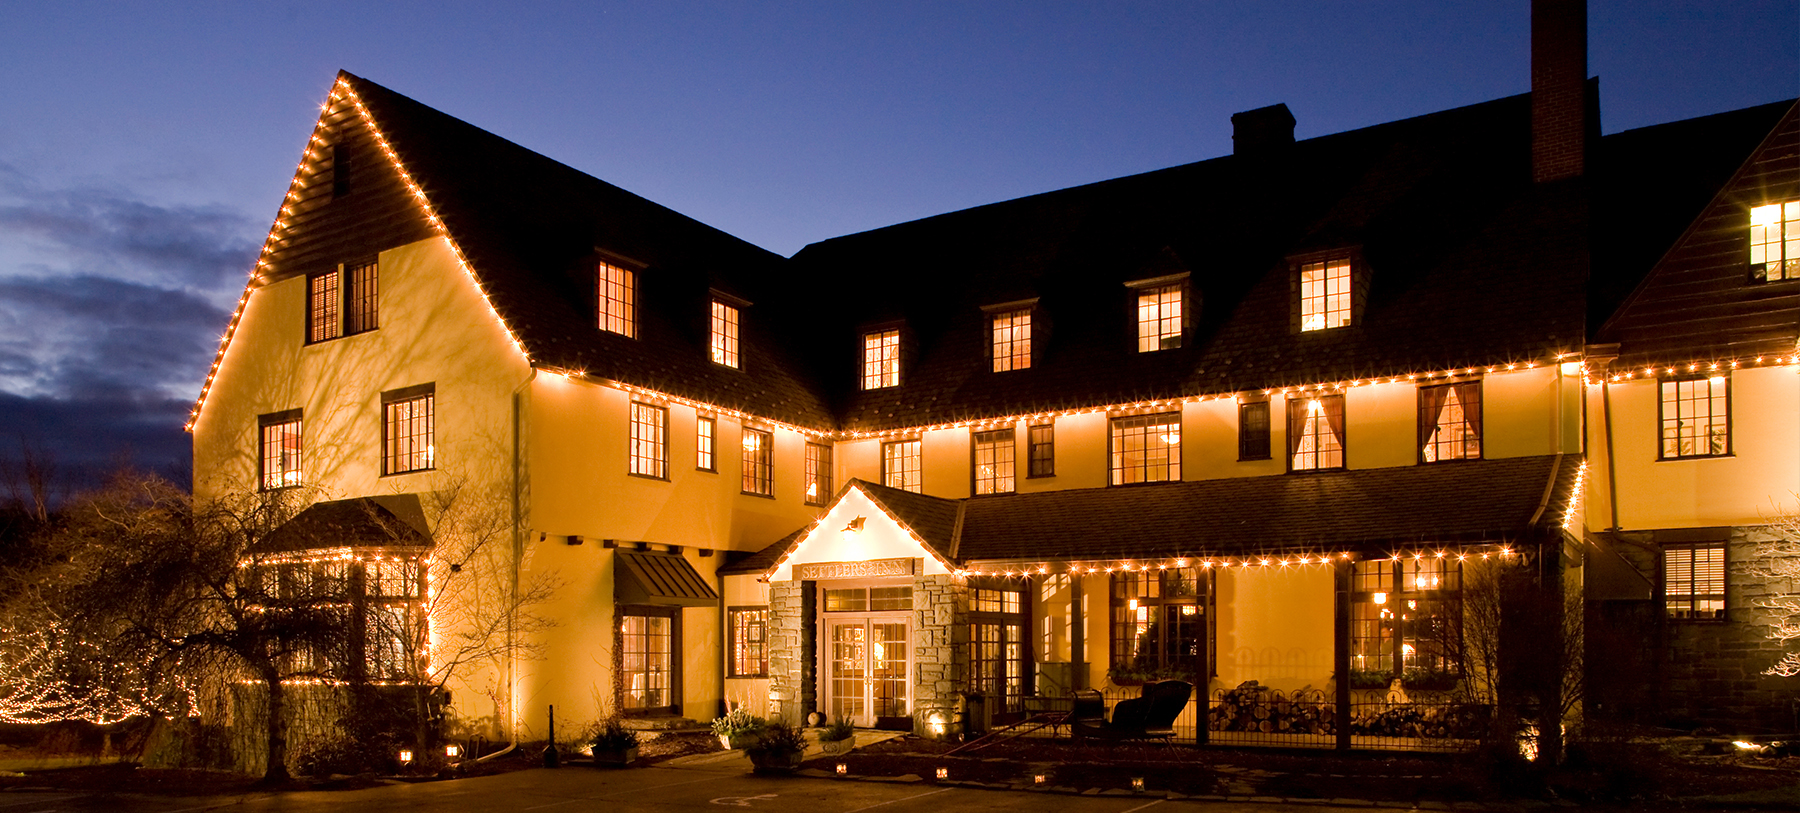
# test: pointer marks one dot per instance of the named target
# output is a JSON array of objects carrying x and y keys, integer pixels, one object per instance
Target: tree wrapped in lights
[
  {"x": 49, "y": 674},
  {"x": 1778, "y": 560}
]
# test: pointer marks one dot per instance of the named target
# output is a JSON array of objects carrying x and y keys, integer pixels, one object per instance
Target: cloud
[
  {"x": 85, "y": 439},
  {"x": 89, "y": 337}
]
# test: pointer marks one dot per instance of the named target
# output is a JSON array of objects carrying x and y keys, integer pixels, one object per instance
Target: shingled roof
[
  {"x": 1501, "y": 500},
  {"x": 388, "y": 521}
]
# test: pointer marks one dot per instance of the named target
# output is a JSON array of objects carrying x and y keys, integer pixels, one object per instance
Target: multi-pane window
[
  {"x": 343, "y": 301},
  {"x": 1253, "y": 430},
  {"x": 759, "y": 462},
  {"x": 649, "y": 440},
  {"x": 647, "y": 659},
  {"x": 993, "y": 465},
  {"x": 1775, "y": 241},
  {"x": 1694, "y": 581},
  {"x": 868, "y": 599},
  {"x": 1159, "y": 318},
  {"x": 279, "y": 455},
  {"x": 997, "y": 650},
  {"x": 724, "y": 342},
  {"x": 1407, "y": 617},
  {"x": 615, "y": 295},
  {"x": 1696, "y": 417},
  {"x": 749, "y": 650},
  {"x": 1012, "y": 340},
  {"x": 1325, "y": 294},
  {"x": 1159, "y": 622},
  {"x": 1450, "y": 422},
  {"x": 900, "y": 465},
  {"x": 388, "y": 579},
  {"x": 706, "y": 433},
  {"x": 1146, "y": 448},
  {"x": 408, "y": 429},
  {"x": 1316, "y": 433},
  {"x": 818, "y": 473},
  {"x": 389, "y": 639},
  {"x": 881, "y": 359},
  {"x": 1040, "y": 450}
]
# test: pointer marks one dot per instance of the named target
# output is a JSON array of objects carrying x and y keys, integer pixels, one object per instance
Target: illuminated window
[
  {"x": 408, "y": 424},
  {"x": 343, "y": 301},
  {"x": 1694, "y": 582},
  {"x": 1012, "y": 340},
  {"x": 1253, "y": 430},
  {"x": 1450, "y": 422},
  {"x": 868, "y": 599},
  {"x": 818, "y": 473},
  {"x": 881, "y": 359},
  {"x": 1775, "y": 242},
  {"x": 998, "y": 654},
  {"x": 1040, "y": 448},
  {"x": 386, "y": 579},
  {"x": 648, "y": 641},
  {"x": 994, "y": 453},
  {"x": 391, "y": 636},
  {"x": 649, "y": 441},
  {"x": 900, "y": 465},
  {"x": 1410, "y": 606},
  {"x": 1146, "y": 448},
  {"x": 749, "y": 651},
  {"x": 706, "y": 432},
  {"x": 759, "y": 462},
  {"x": 1160, "y": 623},
  {"x": 280, "y": 449},
  {"x": 616, "y": 295},
  {"x": 1316, "y": 433},
  {"x": 1159, "y": 318},
  {"x": 1325, "y": 294},
  {"x": 1696, "y": 417},
  {"x": 724, "y": 334}
]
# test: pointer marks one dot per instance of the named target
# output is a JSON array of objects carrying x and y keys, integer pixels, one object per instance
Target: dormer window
[
  {"x": 1161, "y": 314},
  {"x": 1009, "y": 335},
  {"x": 881, "y": 359},
  {"x": 724, "y": 341},
  {"x": 1325, "y": 294},
  {"x": 1775, "y": 242},
  {"x": 615, "y": 292}
]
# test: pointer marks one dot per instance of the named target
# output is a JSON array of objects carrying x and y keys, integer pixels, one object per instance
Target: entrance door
[{"x": 867, "y": 675}]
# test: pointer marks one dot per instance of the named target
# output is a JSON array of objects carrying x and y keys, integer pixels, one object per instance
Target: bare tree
[
  {"x": 1778, "y": 560},
  {"x": 1521, "y": 652}
]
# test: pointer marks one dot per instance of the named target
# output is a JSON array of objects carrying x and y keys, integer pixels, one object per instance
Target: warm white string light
[{"x": 1225, "y": 563}]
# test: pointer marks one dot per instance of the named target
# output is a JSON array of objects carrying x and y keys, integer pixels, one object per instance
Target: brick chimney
[
  {"x": 1262, "y": 130},
  {"x": 1558, "y": 89}
]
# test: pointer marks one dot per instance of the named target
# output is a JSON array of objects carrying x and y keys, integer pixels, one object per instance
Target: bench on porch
[{"x": 1149, "y": 716}]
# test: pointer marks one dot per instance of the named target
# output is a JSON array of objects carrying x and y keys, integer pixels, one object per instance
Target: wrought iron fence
[{"x": 1256, "y": 715}]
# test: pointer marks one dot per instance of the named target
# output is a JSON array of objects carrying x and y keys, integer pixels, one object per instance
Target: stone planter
[
  {"x": 614, "y": 757},
  {"x": 837, "y": 747},
  {"x": 739, "y": 741},
  {"x": 776, "y": 762}
]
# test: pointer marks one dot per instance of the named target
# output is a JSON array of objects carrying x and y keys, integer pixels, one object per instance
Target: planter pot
[
  {"x": 614, "y": 757},
  {"x": 777, "y": 762},
  {"x": 738, "y": 742},
  {"x": 837, "y": 747}
]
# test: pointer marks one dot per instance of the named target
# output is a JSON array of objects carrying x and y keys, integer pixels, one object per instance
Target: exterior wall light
[{"x": 406, "y": 756}]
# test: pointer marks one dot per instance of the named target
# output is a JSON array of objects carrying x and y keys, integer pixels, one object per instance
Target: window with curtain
[
  {"x": 1450, "y": 422},
  {"x": 1316, "y": 433}
]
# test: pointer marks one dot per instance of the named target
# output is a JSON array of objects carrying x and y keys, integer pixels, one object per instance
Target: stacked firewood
[{"x": 1254, "y": 707}]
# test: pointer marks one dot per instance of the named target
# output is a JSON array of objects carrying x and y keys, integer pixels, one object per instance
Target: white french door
[{"x": 866, "y": 670}]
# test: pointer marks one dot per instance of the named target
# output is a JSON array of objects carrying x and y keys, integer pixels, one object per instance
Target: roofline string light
[
  {"x": 1108, "y": 567},
  {"x": 700, "y": 406},
  {"x": 1655, "y": 371},
  {"x": 343, "y": 90},
  {"x": 814, "y": 525},
  {"x": 1575, "y": 495}
]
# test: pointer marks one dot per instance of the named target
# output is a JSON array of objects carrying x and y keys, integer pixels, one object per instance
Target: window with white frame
[
  {"x": 881, "y": 359},
  {"x": 1316, "y": 433},
  {"x": 901, "y": 466},
  {"x": 1694, "y": 581},
  {"x": 1696, "y": 417},
  {"x": 706, "y": 433},
  {"x": 1775, "y": 241},
  {"x": 724, "y": 340},
  {"x": 1011, "y": 333},
  {"x": 1146, "y": 448},
  {"x": 409, "y": 429},
  {"x": 280, "y": 449},
  {"x": 995, "y": 453},
  {"x": 818, "y": 473},
  {"x": 1325, "y": 294},
  {"x": 759, "y": 462},
  {"x": 1159, "y": 317},
  {"x": 1450, "y": 422},
  {"x": 615, "y": 297},
  {"x": 649, "y": 441}
]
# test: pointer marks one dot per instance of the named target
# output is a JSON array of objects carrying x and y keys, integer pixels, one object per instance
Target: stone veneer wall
[
  {"x": 1711, "y": 673},
  {"x": 790, "y": 688},
  {"x": 940, "y": 649}
]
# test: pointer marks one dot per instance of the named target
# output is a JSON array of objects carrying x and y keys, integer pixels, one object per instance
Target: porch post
[
  {"x": 1077, "y": 634},
  {"x": 1341, "y": 570}
]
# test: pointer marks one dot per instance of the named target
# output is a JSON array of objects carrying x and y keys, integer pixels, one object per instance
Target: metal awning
[{"x": 660, "y": 579}]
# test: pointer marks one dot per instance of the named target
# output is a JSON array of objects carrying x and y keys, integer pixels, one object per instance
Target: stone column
[{"x": 940, "y": 649}]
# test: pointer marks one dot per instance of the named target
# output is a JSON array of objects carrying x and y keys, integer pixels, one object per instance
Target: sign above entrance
[{"x": 873, "y": 568}]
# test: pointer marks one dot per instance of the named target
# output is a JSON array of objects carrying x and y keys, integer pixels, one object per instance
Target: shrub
[
  {"x": 614, "y": 736},
  {"x": 779, "y": 739},
  {"x": 737, "y": 721},
  {"x": 837, "y": 731}
]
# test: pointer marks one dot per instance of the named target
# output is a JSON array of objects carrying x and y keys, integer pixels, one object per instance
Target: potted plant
[
  {"x": 778, "y": 749},
  {"x": 614, "y": 744},
  {"x": 838, "y": 737},
  {"x": 737, "y": 729}
]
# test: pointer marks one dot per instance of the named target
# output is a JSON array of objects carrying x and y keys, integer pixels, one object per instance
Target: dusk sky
[{"x": 144, "y": 148}]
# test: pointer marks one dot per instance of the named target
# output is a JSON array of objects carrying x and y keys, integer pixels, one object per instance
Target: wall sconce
[
  {"x": 406, "y": 756},
  {"x": 936, "y": 723},
  {"x": 842, "y": 769},
  {"x": 943, "y": 773},
  {"x": 1137, "y": 784}
]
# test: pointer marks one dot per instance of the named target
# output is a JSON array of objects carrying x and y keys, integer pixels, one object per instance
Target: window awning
[{"x": 660, "y": 579}]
